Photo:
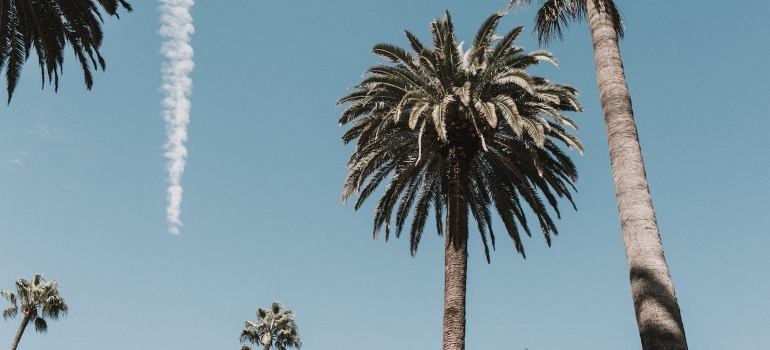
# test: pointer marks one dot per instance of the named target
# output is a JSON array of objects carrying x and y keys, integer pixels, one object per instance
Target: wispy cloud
[
  {"x": 176, "y": 28},
  {"x": 47, "y": 132},
  {"x": 14, "y": 162},
  {"x": 26, "y": 144}
]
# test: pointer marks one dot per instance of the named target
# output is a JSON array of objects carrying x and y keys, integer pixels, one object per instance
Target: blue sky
[{"x": 83, "y": 187}]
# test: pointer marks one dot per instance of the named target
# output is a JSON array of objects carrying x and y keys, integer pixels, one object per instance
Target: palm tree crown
[
  {"x": 457, "y": 131},
  {"x": 276, "y": 327},
  {"x": 408, "y": 116},
  {"x": 38, "y": 300},
  {"x": 48, "y": 25}
]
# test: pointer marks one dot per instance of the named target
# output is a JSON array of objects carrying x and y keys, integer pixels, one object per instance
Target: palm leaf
[
  {"x": 47, "y": 27},
  {"x": 485, "y": 36}
]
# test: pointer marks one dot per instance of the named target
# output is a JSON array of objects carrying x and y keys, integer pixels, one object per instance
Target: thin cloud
[
  {"x": 15, "y": 162},
  {"x": 176, "y": 28},
  {"x": 47, "y": 132}
]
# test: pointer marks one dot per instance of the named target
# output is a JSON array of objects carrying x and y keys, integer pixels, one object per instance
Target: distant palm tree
[
  {"x": 655, "y": 303},
  {"x": 460, "y": 131},
  {"x": 48, "y": 25},
  {"x": 276, "y": 327},
  {"x": 38, "y": 300}
]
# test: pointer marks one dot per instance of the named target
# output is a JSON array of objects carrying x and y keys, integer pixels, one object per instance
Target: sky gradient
[{"x": 83, "y": 187}]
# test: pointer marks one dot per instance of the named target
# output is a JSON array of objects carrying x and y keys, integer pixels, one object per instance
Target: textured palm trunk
[
  {"x": 655, "y": 304},
  {"x": 22, "y": 327},
  {"x": 456, "y": 250}
]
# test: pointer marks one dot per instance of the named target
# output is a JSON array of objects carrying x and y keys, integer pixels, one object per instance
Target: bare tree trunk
[
  {"x": 456, "y": 250},
  {"x": 655, "y": 304},
  {"x": 22, "y": 327}
]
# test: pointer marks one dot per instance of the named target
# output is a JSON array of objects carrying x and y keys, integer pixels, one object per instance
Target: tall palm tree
[
  {"x": 48, "y": 25},
  {"x": 460, "y": 131},
  {"x": 276, "y": 327},
  {"x": 39, "y": 300},
  {"x": 655, "y": 303}
]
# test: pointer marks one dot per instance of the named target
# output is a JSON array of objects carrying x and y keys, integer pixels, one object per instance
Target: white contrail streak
[{"x": 176, "y": 29}]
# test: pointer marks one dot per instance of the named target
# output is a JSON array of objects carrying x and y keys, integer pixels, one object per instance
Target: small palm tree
[
  {"x": 276, "y": 328},
  {"x": 655, "y": 304},
  {"x": 460, "y": 131},
  {"x": 48, "y": 25},
  {"x": 38, "y": 300}
]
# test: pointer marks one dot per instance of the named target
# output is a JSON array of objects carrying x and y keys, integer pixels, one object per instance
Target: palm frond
[
  {"x": 40, "y": 325},
  {"x": 47, "y": 27},
  {"x": 395, "y": 54},
  {"x": 14, "y": 308},
  {"x": 542, "y": 55},
  {"x": 429, "y": 192},
  {"x": 552, "y": 16},
  {"x": 556, "y": 15},
  {"x": 505, "y": 45},
  {"x": 111, "y": 6},
  {"x": 416, "y": 44},
  {"x": 485, "y": 36}
]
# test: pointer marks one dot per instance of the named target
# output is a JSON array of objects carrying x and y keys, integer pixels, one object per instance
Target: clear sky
[{"x": 83, "y": 187}]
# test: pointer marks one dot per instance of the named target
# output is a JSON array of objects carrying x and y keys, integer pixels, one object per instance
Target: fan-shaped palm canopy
[
  {"x": 37, "y": 299},
  {"x": 275, "y": 327},
  {"x": 443, "y": 122},
  {"x": 48, "y": 26}
]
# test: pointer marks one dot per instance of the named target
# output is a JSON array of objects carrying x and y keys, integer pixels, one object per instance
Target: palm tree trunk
[
  {"x": 22, "y": 327},
  {"x": 655, "y": 304},
  {"x": 456, "y": 250},
  {"x": 266, "y": 346}
]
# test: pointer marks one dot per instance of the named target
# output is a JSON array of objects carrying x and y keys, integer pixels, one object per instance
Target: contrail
[{"x": 176, "y": 29}]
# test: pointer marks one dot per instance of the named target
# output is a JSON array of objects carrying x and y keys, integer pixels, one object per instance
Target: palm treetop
[
  {"x": 275, "y": 327},
  {"x": 409, "y": 115},
  {"x": 33, "y": 295},
  {"x": 38, "y": 300},
  {"x": 480, "y": 78},
  {"x": 553, "y": 14}
]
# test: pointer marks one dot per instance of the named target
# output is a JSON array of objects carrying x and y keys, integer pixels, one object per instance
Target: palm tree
[
  {"x": 460, "y": 131},
  {"x": 48, "y": 25},
  {"x": 39, "y": 300},
  {"x": 655, "y": 303},
  {"x": 276, "y": 327}
]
